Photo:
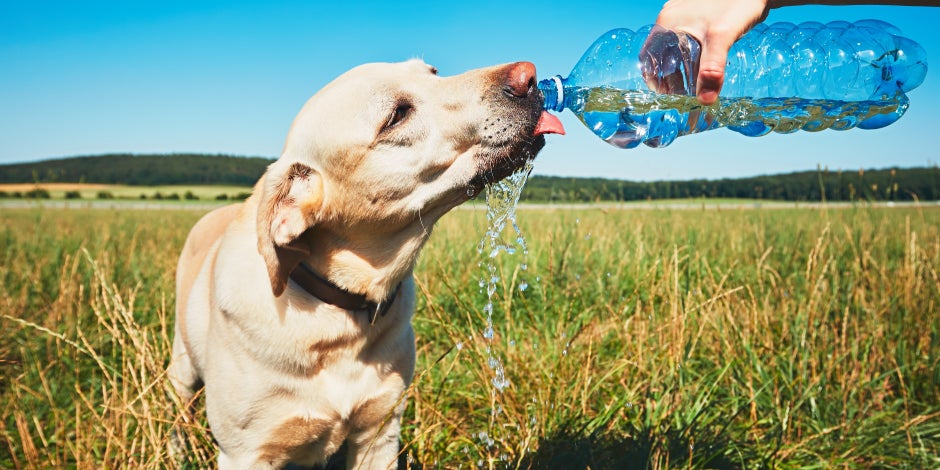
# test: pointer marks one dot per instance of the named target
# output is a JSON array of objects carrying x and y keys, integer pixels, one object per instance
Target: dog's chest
[
  {"x": 300, "y": 379},
  {"x": 314, "y": 416}
]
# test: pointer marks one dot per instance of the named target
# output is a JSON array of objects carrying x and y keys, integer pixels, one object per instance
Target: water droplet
[
  {"x": 488, "y": 332},
  {"x": 523, "y": 286},
  {"x": 500, "y": 383}
]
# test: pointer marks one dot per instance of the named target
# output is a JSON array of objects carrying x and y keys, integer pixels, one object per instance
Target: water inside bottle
[{"x": 626, "y": 118}]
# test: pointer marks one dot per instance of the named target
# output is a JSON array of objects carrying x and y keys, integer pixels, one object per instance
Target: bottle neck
[{"x": 553, "y": 93}]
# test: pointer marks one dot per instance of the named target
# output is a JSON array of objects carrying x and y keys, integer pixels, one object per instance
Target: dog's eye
[
  {"x": 401, "y": 112},
  {"x": 434, "y": 70}
]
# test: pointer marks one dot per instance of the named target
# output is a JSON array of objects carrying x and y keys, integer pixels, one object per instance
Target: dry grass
[
  {"x": 646, "y": 339},
  {"x": 54, "y": 187},
  {"x": 91, "y": 191}
]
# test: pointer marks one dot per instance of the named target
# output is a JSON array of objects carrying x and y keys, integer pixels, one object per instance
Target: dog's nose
[{"x": 520, "y": 80}]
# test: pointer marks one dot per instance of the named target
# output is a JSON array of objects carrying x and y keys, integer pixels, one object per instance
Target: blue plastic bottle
[{"x": 779, "y": 77}]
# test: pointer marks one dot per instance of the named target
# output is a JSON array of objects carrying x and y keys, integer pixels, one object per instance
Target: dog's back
[{"x": 199, "y": 243}]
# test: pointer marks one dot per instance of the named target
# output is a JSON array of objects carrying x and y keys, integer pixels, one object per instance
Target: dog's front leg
[
  {"x": 375, "y": 448},
  {"x": 186, "y": 382}
]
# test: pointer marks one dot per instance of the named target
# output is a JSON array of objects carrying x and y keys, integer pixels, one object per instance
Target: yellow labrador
[{"x": 294, "y": 308}]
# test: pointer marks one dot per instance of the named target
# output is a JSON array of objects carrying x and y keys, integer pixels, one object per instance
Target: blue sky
[{"x": 91, "y": 77}]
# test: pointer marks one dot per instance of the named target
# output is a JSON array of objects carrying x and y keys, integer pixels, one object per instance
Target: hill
[
  {"x": 140, "y": 170},
  {"x": 892, "y": 184}
]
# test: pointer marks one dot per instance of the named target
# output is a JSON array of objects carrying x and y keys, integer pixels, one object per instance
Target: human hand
[{"x": 717, "y": 24}]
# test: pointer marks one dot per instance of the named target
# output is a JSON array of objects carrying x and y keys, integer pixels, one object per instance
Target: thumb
[{"x": 711, "y": 72}]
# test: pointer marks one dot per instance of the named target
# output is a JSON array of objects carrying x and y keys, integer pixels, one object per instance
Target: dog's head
[{"x": 380, "y": 153}]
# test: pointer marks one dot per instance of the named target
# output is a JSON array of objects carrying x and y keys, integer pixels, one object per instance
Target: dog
[{"x": 294, "y": 307}]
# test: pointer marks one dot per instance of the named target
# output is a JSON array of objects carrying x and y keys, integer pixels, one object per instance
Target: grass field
[{"x": 789, "y": 338}]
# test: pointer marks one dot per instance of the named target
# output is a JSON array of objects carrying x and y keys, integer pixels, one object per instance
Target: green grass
[{"x": 785, "y": 338}]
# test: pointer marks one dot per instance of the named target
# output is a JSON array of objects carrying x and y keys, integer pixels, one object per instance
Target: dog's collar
[{"x": 332, "y": 294}]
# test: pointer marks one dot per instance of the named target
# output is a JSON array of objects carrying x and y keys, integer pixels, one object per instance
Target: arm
[{"x": 718, "y": 23}]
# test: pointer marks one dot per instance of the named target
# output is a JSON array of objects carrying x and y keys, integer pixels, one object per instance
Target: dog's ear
[{"x": 291, "y": 197}]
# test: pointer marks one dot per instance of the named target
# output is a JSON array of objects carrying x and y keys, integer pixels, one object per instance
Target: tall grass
[
  {"x": 87, "y": 304},
  {"x": 645, "y": 339}
]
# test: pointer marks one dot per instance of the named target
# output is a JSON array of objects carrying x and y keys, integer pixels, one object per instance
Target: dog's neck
[
  {"x": 315, "y": 285},
  {"x": 370, "y": 266}
]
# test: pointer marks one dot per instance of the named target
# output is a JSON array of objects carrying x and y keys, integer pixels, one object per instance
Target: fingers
[
  {"x": 711, "y": 72},
  {"x": 716, "y": 24}
]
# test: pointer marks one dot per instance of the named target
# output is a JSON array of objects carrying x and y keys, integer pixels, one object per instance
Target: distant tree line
[
  {"x": 140, "y": 170},
  {"x": 892, "y": 184}
]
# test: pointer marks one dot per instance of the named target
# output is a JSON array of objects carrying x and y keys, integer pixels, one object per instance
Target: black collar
[{"x": 332, "y": 294}]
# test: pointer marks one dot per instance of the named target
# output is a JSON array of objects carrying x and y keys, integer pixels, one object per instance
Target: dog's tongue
[{"x": 548, "y": 124}]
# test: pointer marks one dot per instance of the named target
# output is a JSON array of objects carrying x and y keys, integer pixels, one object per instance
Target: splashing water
[{"x": 501, "y": 200}]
